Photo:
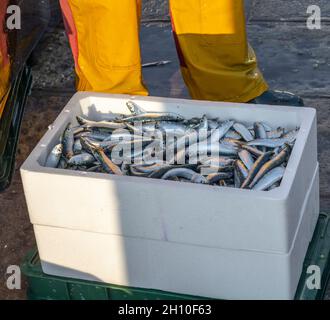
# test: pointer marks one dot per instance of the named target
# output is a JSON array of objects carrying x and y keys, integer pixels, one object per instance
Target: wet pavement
[{"x": 291, "y": 56}]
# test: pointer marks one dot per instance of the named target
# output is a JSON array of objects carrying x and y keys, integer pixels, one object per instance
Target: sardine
[
  {"x": 77, "y": 147},
  {"x": 269, "y": 179},
  {"x": 214, "y": 178},
  {"x": 83, "y": 159},
  {"x": 106, "y": 162},
  {"x": 254, "y": 151},
  {"x": 275, "y": 134},
  {"x": 256, "y": 167},
  {"x": 68, "y": 141},
  {"x": 242, "y": 169},
  {"x": 232, "y": 134},
  {"x": 218, "y": 133},
  {"x": 111, "y": 125},
  {"x": 246, "y": 158},
  {"x": 153, "y": 116},
  {"x": 54, "y": 157},
  {"x": 271, "y": 143},
  {"x": 243, "y": 131},
  {"x": 134, "y": 108},
  {"x": 185, "y": 173},
  {"x": 273, "y": 163}
]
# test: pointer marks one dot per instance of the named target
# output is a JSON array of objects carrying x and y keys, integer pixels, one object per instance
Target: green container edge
[{"x": 47, "y": 287}]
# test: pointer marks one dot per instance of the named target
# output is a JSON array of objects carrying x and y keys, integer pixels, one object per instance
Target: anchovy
[
  {"x": 271, "y": 143},
  {"x": 273, "y": 163},
  {"x": 243, "y": 131},
  {"x": 217, "y": 161},
  {"x": 62, "y": 164},
  {"x": 100, "y": 124},
  {"x": 68, "y": 141},
  {"x": 100, "y": 136},
  {"x": 246, "y": 158},
  {"x": 157, "y": 174},
  {"x": 256, "y": 167},
  {"x": 107, "y": 163},
  {"x": 214, "y": 178},
  {"x": 95, "y": 168},
  {"x": 233, "y": 135},
  {"x": 260, "y": 132},
  {"x": 238, "y": 178},
  {"x": 153, "y": 116},
  {"x": 242, "y": 169},
  {"x": 185, "y": 173},
  {"x": 275, "y": 134},
  {"x": 270, "y": 179},
  {"x": 291, "y": 136},
  {"x": 77, "y": 147},
  {"x": 213, "y": 124},
  {"x": 171, "y": 128},
  {"x": 254, "y": 151},
  {"x": 214, "y": 148},
  {"x": 134, "y": 108},
  {"x": 83, "y": 159},
  {"x": 54, "y": 157},
  {"x": 218, "y": 133}
]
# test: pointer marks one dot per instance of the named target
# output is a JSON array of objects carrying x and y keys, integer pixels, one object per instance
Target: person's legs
[
  {"x": 216, "y": 61},
  {"x": 104, "y": 38},
  {"x": 4, "y": 59}
]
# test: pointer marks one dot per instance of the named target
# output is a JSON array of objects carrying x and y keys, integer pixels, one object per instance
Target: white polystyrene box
[
  {"x": 181, "y": 268},
  {"x": 167, "y": 211}
]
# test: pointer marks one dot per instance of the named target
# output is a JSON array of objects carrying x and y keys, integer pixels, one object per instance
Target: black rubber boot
[{"x": 283, "y": 98}]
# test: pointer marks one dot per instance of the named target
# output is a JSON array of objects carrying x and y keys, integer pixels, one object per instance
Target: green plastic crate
[
  {"x": 10, "y": 124},
  {"x": 45, "y": 287}
]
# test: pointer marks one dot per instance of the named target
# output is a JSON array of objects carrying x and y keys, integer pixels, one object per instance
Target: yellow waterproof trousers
[
  {"x": 216, "y": 60},
  {"x": 4, "y": 59}
]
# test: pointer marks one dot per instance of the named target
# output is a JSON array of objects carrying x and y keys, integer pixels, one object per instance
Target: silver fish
[
  {"x": 106, "y": 162},
  {"x": 77, "y": 147},
  {"x": 269, "y": 179},
  {"x": 153, "y": 116},
  {"x": 256, "y": 167},
  {"x": 218, "y": 133},
  {"x": 275, "y": 134},
  {"x": 273, "y": 163},
  {"x": 243, "y": 131},
  {"x": 54, "y": 157},
  {"x": 172, "y": 128},
  {"x": 213, "y": 124},
  {"x": 100, "y": 124},
  {"x": 185, "y": 173},
  {"x": 83, "y": 159},
  {"x": 242, "y": 169},
  {"x": 214, "y": 178},
  {"x": 134, "y": 108},
  {"x": 271, "y": 143},
  {"x": 260, "y": 132},
  {"x": 232, "y": 134},
  {"x": 68, "y": 141},
  {"x": 246, "y": 158}
]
